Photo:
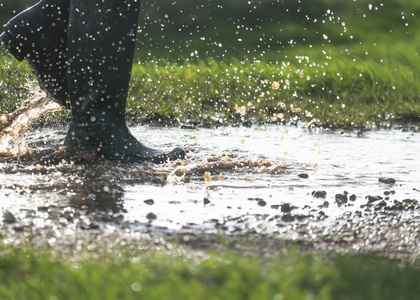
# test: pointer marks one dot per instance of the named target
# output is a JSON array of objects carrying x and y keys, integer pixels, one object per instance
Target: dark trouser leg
[
  {"x": 100, "y": 50},
  {"x": 39, "y": 35}
]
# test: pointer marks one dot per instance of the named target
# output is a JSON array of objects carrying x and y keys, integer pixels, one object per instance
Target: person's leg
[
  {"x": 39, "y": 35},
  {"x": 100, "y": 50}
]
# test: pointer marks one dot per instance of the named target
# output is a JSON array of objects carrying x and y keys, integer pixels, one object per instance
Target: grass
[
  {"x": 347, "y": 91},
  {"x": 29, "y": 274},
  {"x": 13, "y": 80},
  {"x": 342, "y": 92}
]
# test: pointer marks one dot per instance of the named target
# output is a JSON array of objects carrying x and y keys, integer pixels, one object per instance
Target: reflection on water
[{"x": 269, "y": 172}]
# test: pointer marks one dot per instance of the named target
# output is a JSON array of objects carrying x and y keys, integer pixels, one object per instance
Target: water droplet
[{"x": 136, "y": 287}]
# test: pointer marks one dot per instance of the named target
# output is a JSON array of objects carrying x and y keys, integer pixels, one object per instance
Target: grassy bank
[
  {"x": 29, "y": 274},
  {"x": 341, "y": 92},
  {"x": 346, "y": 91}
]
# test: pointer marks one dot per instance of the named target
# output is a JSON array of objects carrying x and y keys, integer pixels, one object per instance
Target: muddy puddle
[{"x": 264, "y": 185}]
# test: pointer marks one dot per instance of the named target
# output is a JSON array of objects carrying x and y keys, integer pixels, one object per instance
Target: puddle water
[
  {"x": 348, "y": 164},
  {"x": 268, "y": 180}
]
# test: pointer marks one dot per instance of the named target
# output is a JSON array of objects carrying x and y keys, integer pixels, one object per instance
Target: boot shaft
[
  {"x": 39, "y": 30},
  {"x": 100, "y": 50}
]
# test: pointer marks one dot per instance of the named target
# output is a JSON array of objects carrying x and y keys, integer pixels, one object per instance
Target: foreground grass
[{"x": 28, "y": 274}]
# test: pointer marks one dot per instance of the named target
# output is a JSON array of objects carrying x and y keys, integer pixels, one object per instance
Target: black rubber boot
[
  {"x": 39, "y": 35},
  {"x": 100, "y": 50}
]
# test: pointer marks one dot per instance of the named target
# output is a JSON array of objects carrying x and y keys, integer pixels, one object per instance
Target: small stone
[
  {"x": 87, "y": 224},
  {"x": 325, "y": 204},
  {"x": 286, "y": 208},
  {"x": 303, "y": 175},
  {"x": 288, "y": 218},
  {"x": 380, "y": 205},
  {"x": 149, "y": 201},
  {"x": 319, "y": 194},
  {"x": 206, "y": 201},
  {"x": 19, "y": 228},
  {"x": 387, "y": 180},
  {"x": 341, "y": 199},
  {"x": 262, "y": 203},
  {"x": 43, "y": 208},
  {"x": 151, "y": 216},
  {"x": 255, "y": 199},
  {"x": 8, "y": 217},
  {"x": 352, "y": 197},
  {"x": 372, "y": 199},
  {"x": 409, "y": 201}
]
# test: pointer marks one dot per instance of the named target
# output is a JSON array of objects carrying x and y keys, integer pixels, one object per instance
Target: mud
[{"x": 256, "y": 188}]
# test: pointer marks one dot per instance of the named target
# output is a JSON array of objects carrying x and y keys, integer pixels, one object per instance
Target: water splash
[{"x": 13, "y": 126}]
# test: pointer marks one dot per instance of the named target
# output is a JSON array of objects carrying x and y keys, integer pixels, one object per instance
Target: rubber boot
[
  {"x": 39, "y": 35},
  {"x": 100, "y": 51}
]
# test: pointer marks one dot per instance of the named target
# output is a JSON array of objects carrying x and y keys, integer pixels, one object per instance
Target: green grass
[
  {"x": 29, "y": 274},
  {"x": 13, "y": 78},
  {"x": 340, "y": 92},
  {"x": 346, "y": 91}
]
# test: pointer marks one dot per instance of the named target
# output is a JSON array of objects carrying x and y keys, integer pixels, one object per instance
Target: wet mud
[{"x": 255, "y": 188}]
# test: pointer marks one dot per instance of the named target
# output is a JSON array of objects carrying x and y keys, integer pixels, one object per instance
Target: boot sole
[{"x": 14, "y": 50}]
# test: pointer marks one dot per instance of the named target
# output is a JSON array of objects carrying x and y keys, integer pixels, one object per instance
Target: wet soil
[{"x": 254, "y": 188}]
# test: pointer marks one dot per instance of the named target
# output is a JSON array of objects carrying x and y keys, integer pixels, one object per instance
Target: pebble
[
  {"x": 149, "y": 201},
  {"x": 387, "y": 180},
  {"x": 255, "y": 199},
  {"x": 287, "y": 218},
  {"x": 8, "y": 217},
  {"x": 372, "y": 199},
  {"x": 341, "y": 199},
  {"x": 262, "y": 203},
  {"x": 319, "y": 194},
  {"x": 380, "y": 205},
  {"x": 303, "y": 175},
  {"x": 286, "y": 208},
  {"x": 326, "y": 204},
  {"x": 352, "y": 197},
  {"x": 151, "y": 216}
]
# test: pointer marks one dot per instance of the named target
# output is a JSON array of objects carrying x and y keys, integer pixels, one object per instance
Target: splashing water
[{"x": 13, "y": 126}]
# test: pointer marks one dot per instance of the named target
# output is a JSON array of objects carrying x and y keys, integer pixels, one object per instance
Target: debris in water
[{"x": 207, "y": 176}]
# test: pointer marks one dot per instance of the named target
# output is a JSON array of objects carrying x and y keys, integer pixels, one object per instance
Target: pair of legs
[{"x": 81, "y": 52}]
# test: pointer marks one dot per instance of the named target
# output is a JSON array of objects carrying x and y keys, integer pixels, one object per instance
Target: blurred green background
[{"x": 219, "y": 29}]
